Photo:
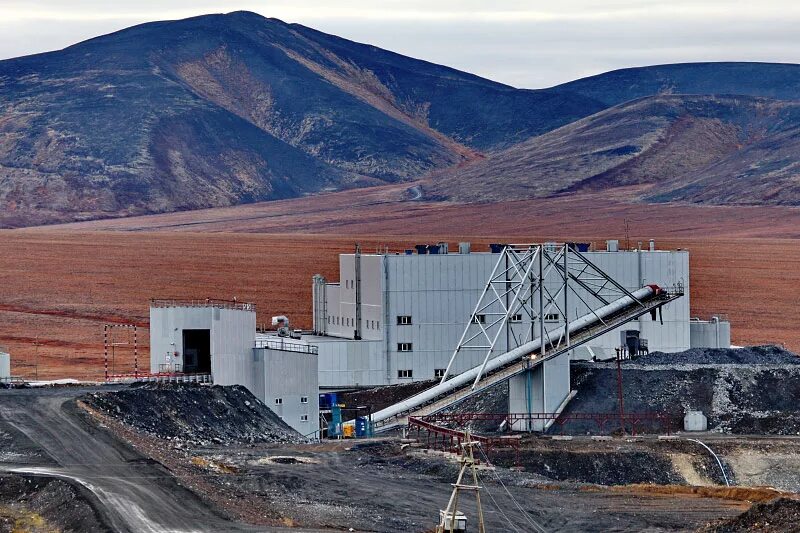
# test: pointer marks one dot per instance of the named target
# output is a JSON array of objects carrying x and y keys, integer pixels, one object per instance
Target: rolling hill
[
  {"x": 780, "y": 81},
  {"x": 221, "y": 110},
  {"x": 668, "y": 148},
  {"x": 225, "y": 109}
]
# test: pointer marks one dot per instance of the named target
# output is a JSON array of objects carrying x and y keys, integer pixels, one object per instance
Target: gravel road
[{"x": 137, "y": 494}]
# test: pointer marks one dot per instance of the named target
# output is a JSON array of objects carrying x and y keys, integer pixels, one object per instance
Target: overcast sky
[{"x": 533, "y": 43}]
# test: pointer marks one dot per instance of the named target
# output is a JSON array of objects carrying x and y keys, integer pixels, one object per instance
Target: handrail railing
[
  {"x": 286, "y": 346},
  {"x": 204, "y": 302}
]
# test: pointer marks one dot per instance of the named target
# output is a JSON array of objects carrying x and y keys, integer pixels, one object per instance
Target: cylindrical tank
[
  {"x": 362, "y": 426},
  {"x": 5, "y": 366},
  {"x": 695, "y": 421}
]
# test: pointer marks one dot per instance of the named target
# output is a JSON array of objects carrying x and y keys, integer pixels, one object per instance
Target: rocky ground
[
  {"x": 44, "y": 504},
  {"x": 779, "y": 516},
  {"x": 334, "y": 484},
  {"x": 247, "y": 467},
  {"x": 743, "y": 391},
  {"x": 194, "y": 414}
]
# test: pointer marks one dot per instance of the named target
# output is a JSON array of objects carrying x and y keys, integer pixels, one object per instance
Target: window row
[
  {"x": 351, "y": 322},
  {"x": 303, "y": 399},
  {"x": 405, "y": 320},
  {"x": 408, "y": 373}
]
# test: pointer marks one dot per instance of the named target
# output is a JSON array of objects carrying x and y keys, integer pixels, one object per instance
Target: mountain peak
[{"x": 231, "y": 108}]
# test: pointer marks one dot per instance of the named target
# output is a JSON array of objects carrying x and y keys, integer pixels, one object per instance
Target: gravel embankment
[{"x": 195, "y": 414}]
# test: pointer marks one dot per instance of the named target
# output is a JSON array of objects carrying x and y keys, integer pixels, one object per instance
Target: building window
[
  {"x": 379, "y": 324},
  {"x": 303, "y": 418},
  {"x": 515, "y": 318},
  {"x": 303, "y": 399},
  {"x": 278, "y": 401},
  {"x": 404, "y": 347},
  {"x": 438, "y": 373},
  {"x": 551, "y": 317},
  {"x": 404, "y": 320},
  {"x": 405, "y": 373},
  {"x": 479, "y": 319}
]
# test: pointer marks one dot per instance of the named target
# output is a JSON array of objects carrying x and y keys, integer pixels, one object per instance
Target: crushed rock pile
[
  {"x": 754, "y": 355},
  {"x": 28, "y": 499},
  {"x": 781, "y": 515},
  {"x": 195, "y": 414},
  {"x": 751, "y": 390}
]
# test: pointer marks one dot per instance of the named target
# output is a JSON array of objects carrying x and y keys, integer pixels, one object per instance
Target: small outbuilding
[{"x": 217, "y": 339}]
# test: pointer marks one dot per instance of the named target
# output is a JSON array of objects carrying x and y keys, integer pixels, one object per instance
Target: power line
[{"x": 528, "y": 518}]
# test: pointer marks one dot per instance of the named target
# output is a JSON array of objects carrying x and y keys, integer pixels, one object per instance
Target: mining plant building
[{"x": 396, "y": 317}]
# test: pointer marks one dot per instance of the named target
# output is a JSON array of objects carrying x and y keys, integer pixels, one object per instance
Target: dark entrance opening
[{"x": 197, "y": 351}]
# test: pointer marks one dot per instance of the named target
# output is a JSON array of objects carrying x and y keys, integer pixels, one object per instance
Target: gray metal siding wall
[
  {"x": 439, "y": 292},
  {"x": 232, "y": 339},
  {"x": 233, "y": 335},
  {"x": 290, "y": 376},
  {"x": 344, "y": 363},
  {"x": 710, "y": 334},
  {"x": 341, "y": 300},
  {"x": 166, "y": 327},
  {"x": 664, "y": 268}
]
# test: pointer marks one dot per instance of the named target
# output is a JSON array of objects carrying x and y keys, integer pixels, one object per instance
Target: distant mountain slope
[
  {"x": 477, "y": 112},
  {"x": 224, "y": 109},
  {"x": 708, "y": 149},
  {"x": 780, "y": 81}
]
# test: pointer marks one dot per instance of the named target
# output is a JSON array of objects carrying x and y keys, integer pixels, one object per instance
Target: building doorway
[{"x": 197, "y": 351}]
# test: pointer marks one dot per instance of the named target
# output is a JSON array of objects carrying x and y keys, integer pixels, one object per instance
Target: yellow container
[{"x": 348, "y": 431}]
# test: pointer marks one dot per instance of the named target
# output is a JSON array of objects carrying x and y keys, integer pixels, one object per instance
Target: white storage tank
[
  {"x": 695, "y": 421},
  {"x": 5, "y": 366}
]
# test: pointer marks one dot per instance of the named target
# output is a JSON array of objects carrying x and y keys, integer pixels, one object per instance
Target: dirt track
[
  {"x": 136, "y": 494},
  {"x": 369, "y": 488}
]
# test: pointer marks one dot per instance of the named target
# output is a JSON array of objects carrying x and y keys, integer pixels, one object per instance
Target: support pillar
[{"x": 529, "y": 392}]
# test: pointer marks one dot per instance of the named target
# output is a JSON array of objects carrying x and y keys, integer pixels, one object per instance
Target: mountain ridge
[{"x": 225, "y": 109}]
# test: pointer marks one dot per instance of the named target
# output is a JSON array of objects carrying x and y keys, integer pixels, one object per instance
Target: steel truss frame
[{"x": 534, "y": 280}]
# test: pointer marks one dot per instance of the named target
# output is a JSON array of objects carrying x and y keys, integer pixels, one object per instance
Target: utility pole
[
  {"x": 449, "y": 517},
  {"x": 627, "y": 234},
  {"x": 619, "y": 391},
  {"x": 36, "y": 359}
]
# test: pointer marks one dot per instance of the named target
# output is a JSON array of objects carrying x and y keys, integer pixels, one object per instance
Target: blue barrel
[
  {"x": 433, "y": 249},
  {"x": 422, "y": 249},
  {"x": 496, "y": 248},
  {"x": 362, "y": 426}
]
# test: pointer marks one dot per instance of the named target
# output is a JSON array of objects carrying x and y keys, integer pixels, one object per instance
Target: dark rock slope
[
  {"x": 225, "y": 109},
  {"x": 667, "y": 148}
]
